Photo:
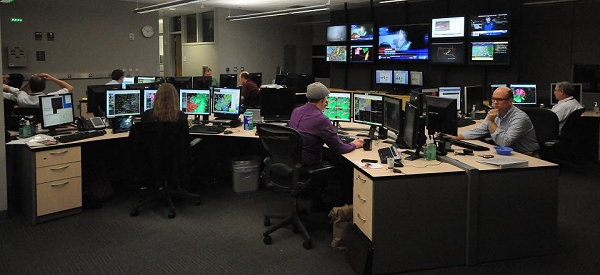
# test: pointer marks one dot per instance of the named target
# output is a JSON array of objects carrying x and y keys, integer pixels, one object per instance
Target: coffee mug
[{"x": 367, "y": 144}]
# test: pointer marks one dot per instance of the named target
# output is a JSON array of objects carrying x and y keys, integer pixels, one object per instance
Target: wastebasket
[{"x": 246, "y": 170}]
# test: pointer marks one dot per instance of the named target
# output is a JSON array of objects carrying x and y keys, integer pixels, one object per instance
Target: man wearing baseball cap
[{"x": 316, "y": 129}]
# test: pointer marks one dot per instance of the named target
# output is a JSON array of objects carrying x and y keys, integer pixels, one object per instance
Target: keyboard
[
  {"x": 80, "y": 135},
  {"x": 207, "y": 129},
  {"x": 388, "y": 152},
  {"x": 464, "y": 122},
  {"x": 469, "y": 145},
  {"x": 346, "y": 139}
]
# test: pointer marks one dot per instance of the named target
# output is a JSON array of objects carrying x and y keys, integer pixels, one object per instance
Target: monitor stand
[{"x": 372, "y": 131}]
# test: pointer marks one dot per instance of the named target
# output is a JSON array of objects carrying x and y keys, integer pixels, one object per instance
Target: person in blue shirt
[{"x": 488, "y": 25}]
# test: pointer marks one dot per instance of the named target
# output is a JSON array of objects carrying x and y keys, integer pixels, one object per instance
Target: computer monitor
[
  {"x": 401, "y": 77},
  {"x": 416, "y": 78},
  {"x": 384, "y": 76},
  {"x": 122, "y": 103},
  {"x": 368, "y": 109},
  {"x": 181, "y": 82},
  {"x": 524, "y": 94},
  {"x": 339, "y": 107},
  {"x": 578, "y": 93},
  {"x": 143, "y": 86},
  {"x": 472, "y": 96},
  {"x": 226, "y": 103},
  {"x": 96, "y": 98},
  {"x": 298, "y": 82},
  {"x": 201, "y": 82},
  {"x": 128, "y": 80},
  {"x": 256, "y": 78},
  {"x": 494, "y": 86},
  {"x": 447, "y": 52},
  {"x": 145, "y": 79},
  {"x": 392, "y": 114},
  {"x": 361, "y": 53},
  {"x": 413, "y": 131},
  {"x": 361, "y": 32},
  {"x": 277, "y": 104},
  {"x": 489, "y": 25},
  {"x": 452, "y": 92},
  {"x": 441, "y": 115},
  {"x": 228, "y": 80},
  {"x": 57, "y": 110},
  {"x": 149, "y": 96},
  {"x": 194, "y": 101}
]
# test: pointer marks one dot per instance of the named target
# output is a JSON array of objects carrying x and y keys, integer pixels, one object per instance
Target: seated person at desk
[
  {"x": 117, "y": 77},
  {"x": 250, "y": 92},
  {"x": 166, "y": 106},
  {"x": 566, "y": 102},
  {"x": 507, "y": 125},
  {"x": 316, "y": 129},
  {"x": 28, "y": 95}
]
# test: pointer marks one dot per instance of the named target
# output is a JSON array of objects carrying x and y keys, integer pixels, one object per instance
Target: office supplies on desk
[
  {"x": 469, "y": 145},
  {"x": 80, "y": 135},
  {"x": 503, "y": 163},
  {"x": 388, "y": 152},
  {"x": 207, "y": 129}
]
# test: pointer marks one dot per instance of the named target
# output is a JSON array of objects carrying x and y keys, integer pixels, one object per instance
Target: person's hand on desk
[{"x": 358, "y": 143}]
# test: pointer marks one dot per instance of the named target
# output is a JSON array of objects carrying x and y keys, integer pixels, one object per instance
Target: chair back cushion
[
  {"x": 284, "y": 146},
  {"x": 572, "y": 129},
  {"x": 161, "y": 151},
  {"x": 545, "y": 123}
]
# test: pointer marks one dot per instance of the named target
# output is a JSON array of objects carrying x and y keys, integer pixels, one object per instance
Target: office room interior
[{"x": 550, "y": 41}]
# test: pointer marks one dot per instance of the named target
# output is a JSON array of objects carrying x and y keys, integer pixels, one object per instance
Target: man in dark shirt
[
  {"x": 250, "y": 92},
  {"x": 316, "y": 129}
]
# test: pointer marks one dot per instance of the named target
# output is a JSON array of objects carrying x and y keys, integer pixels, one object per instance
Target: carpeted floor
[{"x": 224, "y": 236}]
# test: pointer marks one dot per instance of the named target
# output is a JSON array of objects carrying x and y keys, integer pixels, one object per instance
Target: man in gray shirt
[{"x": 507, "y": 125}]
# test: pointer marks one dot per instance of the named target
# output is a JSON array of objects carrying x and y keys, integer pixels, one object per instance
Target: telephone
[{"x": 93, "y": 123}]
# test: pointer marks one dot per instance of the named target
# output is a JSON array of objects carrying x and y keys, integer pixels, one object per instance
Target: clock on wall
[{"x": 147, "y": 31}]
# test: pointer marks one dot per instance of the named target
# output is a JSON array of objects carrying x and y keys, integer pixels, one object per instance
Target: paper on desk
[
  {"x": 38, "y": 140},
  {"x": 368, "y": 165}
]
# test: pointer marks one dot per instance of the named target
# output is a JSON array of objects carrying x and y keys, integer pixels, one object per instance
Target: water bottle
[
  {"x": 596, "y": 110},
  {"x": 431, "y": 150},
  {"x": 22, "y": 127},
  {"x": 248, "y": 124},
  {"x": 473, "y": 111}
]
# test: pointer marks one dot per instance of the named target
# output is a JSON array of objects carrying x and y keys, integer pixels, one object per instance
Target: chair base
[
  {"x": 165, "y": 194},
  {"x": 288, "y": 219}
]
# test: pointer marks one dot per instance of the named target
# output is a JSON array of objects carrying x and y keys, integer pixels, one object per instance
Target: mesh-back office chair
[
  {"x": 570, "y": 145},
  {"x": 161, "y": 160},
  {"x": 545, "y": 123},
  {"x": 283, "y": 170}
]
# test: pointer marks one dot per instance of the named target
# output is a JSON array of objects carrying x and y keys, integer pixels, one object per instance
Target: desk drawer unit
[
  {"x": 363, "y": 203},
  {"x": 55, "y": 196}
]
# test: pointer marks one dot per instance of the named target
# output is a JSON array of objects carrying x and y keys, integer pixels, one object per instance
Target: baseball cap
[{"x": 317, "y": 91}]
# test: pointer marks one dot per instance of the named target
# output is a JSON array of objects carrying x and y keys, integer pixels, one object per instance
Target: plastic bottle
[
  {"x": 473, "y": 111},
  {"x": 431, "y": 150},
  {"x": 596, "y": 110},
  {"x": 248, "y": 124},
  {"x": 26, "y": 129},
  {"x": 21, "y": 127}
]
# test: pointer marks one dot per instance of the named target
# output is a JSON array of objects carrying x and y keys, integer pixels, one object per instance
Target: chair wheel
[
  {"x": 267, "y": 240},
  {"x": 307, "y": 244},
  {"x": 134, "y": 212},
  {"x": 267, "y": 222},
  {"x": 172, "y": 214}
]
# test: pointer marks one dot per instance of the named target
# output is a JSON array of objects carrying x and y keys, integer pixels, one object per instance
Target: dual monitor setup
[{"x": 440, "y": 42}]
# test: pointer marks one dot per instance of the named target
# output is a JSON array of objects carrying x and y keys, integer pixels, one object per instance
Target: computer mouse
[{"x": 227, "y": 132}]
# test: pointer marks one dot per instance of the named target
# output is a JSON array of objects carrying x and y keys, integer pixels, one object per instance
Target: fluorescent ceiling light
[
  {"x": 391, "y": 1},
  {"x": 547, "y": 2},
  {"x": 323, "y": 7},
  {"x": 170, "y": 4}
]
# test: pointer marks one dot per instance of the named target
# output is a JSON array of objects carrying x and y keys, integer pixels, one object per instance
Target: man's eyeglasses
[{"x": 500, "y": 99}]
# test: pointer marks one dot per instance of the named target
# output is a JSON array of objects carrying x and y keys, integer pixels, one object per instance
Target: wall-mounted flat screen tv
[
  {"x": 490, "y": 53},
  {"x": 361, "y": 53},
  {"x": 449, "y": 27},
  {"x": 404, "y": 42},
  {"x": 337, "y": 34},
  {"x": 489, "y": 25},
  {"x": 361, "y": 32},
  {"x": 336, "y": 53},
  {"x": 447, "y": 52}
]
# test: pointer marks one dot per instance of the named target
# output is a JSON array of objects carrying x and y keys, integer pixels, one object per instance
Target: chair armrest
[
  {"x": 551, "y": 143},
  {"x": 320, "y": 170}
]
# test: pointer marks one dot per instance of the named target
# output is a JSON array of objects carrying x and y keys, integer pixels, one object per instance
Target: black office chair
[
  {"x": 161, "y": 161},
  {"x": 545, "y": 123},
  {"x": 283, "y": 170},
  {"x": 570, "y": 145}
]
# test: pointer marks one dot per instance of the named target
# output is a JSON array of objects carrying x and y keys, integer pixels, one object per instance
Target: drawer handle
[
  {"x": 361, "y": 179},
  {"x": 60, "y": 168},
  {"x": 59, "y": 184},
  {"x": 59, "y": 153},
  {"x": 360, "y": 198},
  {"x": 360, "y": 218}
]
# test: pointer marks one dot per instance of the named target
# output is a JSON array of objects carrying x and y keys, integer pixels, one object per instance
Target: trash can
[{"x": 246, "y": 170}]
